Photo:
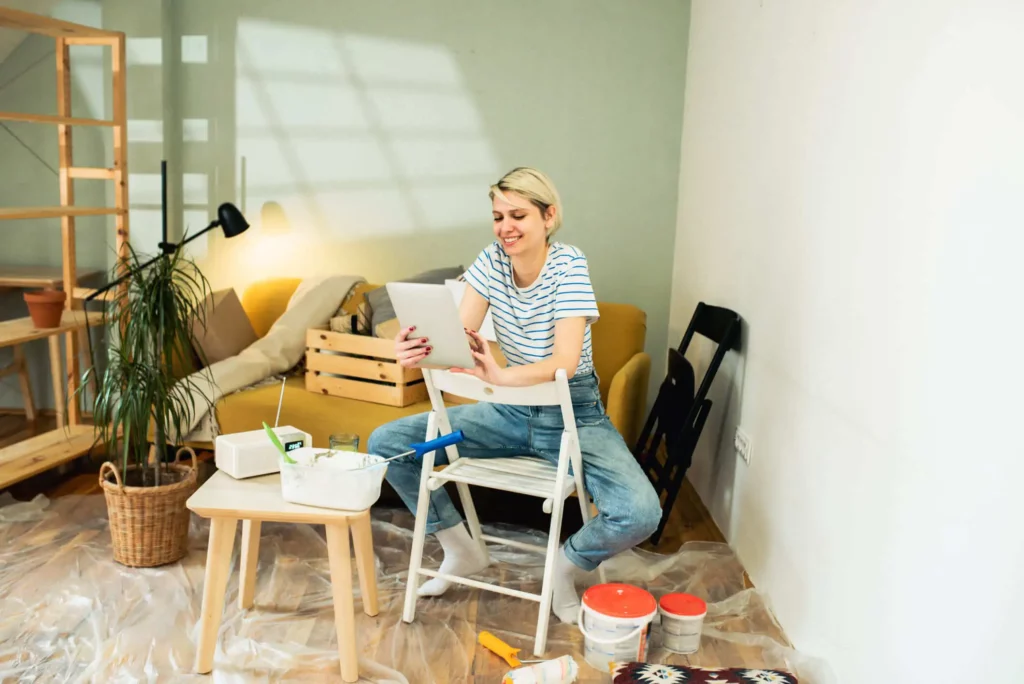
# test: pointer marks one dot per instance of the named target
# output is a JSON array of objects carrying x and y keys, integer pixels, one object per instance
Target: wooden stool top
[{"x": 257, "y": 498}]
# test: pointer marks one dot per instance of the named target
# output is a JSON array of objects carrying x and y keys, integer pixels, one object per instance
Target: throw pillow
[
  {"x": 380, "y": 303},
  {"x": 227, "y": 330},
  {"x": 650, "y": 673}
]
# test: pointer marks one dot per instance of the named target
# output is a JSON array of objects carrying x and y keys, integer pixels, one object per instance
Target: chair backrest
[
  {"x": 471, "y": 387},
  {"x": 679, "y": 412},
  {"x": 718, "y": 325},
  {"x": 553, "y": 393}
]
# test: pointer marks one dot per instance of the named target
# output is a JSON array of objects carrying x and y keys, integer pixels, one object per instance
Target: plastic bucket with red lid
[
  {"x": 682, "y": 619},
  {"x": 615, "y": 620}
]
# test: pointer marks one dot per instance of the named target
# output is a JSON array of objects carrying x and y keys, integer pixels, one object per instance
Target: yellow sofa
[{"x": 618, "y": 338}]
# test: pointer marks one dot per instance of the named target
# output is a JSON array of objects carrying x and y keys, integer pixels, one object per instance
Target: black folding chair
[{"x": 679, "y": 413}]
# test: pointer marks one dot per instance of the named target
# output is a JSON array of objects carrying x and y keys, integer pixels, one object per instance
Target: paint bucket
[
  {"x": 615, "y": 620},
  {"x": 326, "y": 479},
  {"x": 682, "y": 619}
]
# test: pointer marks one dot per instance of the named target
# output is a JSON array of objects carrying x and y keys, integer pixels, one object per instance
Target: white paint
[{"x": 851, "y": 184}]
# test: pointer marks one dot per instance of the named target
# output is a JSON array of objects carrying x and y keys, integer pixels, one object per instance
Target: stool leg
[
  {"x": 218, "y": 564},
  {"x": 362, "y": 537},
  {"x": 340, "y": 559},
  {"x": 26, "y": 385},
  {"x": 247, "y": 571},
  {"x": 57, "y": 377}
]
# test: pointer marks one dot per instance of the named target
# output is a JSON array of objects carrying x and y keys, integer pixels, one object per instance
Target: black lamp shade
[{"x": 231, "y": 220}]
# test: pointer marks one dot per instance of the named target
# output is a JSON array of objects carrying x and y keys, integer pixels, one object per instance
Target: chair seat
[{"x": 521, "y": 474}]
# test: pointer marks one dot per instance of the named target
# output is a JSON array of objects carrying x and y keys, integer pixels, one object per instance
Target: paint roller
[{"x": 562, "y": 670}]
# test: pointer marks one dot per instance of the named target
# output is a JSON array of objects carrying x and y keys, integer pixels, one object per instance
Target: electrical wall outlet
[{"x": 743, "y": 445}]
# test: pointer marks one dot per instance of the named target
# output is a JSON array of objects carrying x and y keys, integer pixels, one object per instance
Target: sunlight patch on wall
[
  {"x": 145, "y": 130},
  {"x": 355, "y": 137},
  {"x": 193, "y": 49},
  {"x": 143, "y": 51}
]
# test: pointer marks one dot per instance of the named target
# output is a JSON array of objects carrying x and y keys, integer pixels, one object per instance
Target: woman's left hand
[{"x": 485, "y": 368}]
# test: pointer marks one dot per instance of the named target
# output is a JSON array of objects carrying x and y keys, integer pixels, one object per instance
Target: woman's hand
[
  {"x": 485, "y": 367},
  {"x": 409, "y": 352}
]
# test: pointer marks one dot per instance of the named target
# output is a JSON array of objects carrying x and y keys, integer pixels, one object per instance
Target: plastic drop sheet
[{"x": 69, "y": 613}]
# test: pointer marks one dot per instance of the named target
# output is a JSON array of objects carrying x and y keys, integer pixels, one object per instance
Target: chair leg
[
  {"x": 471, "y": 518},
  {"x": 544, "y": 616},
  {"x": 581, "y": 494},
  {"x": 419, "y": 532}
]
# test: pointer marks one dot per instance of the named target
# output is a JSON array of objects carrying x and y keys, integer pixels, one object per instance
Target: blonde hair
[{"x": 535, "y": 186}]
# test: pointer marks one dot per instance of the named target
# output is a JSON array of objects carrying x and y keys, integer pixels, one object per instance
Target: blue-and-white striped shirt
[{"x": 524, "y": 317}]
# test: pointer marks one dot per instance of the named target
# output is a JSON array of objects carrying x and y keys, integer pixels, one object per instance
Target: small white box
[{"x": 249, "y": 454}]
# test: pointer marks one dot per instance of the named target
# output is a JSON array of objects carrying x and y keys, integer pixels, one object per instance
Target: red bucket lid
[
  {"x": 685, "y": 605},
  {"x": 620, "y": 600}
]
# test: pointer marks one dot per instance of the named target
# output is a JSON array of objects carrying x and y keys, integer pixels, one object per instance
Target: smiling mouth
[{"x": 510, "y": 240}]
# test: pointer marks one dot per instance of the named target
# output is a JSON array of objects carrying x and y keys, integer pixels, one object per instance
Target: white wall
[{"x": 852, "y": 183}]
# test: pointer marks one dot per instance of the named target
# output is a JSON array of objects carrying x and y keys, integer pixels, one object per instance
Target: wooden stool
[{"x": 225, "y": 501}]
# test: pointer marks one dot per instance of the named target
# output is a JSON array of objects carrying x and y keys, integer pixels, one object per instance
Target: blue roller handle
[{"x": 443, "y": 441}]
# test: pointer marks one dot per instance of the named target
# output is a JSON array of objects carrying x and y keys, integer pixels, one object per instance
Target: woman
[{"x": 542, "y": 305}]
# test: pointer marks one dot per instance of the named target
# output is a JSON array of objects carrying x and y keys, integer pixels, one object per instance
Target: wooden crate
[{"x": 360, "y": 367}]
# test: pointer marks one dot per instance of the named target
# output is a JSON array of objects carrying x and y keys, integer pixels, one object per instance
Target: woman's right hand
[{"x": 410, "y": 351}]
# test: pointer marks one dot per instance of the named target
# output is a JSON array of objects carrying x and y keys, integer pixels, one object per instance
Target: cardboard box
[{"x": 227, "y": 331}]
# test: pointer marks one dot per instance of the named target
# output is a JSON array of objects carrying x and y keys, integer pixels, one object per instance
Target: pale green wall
[{"x": 378, "y": 128}]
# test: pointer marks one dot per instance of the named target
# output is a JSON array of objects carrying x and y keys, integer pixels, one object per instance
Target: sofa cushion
[
  {"x": 616, "y": 337},
  {"x": 265, "y": 301},
  {"x": 225, "y": 329}
]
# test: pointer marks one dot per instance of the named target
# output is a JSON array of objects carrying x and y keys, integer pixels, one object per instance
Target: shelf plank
[
  {"x": 11, "y": 213},
  {"x": 32, "y": 456},
  {"x": 48, "y": 26},
  {"x": 81, "y": 293},
  {"x": 38, "y": 276},
  {"x": 53, "y": 119},
  {"x": 91, "y": 173},
  {"x": 22, "y": 330}
]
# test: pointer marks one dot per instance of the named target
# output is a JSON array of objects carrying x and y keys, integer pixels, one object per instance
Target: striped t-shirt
[{"x": 524, "y": 317}]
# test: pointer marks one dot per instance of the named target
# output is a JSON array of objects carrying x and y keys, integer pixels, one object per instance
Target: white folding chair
[{"x": 522, "y": 474}]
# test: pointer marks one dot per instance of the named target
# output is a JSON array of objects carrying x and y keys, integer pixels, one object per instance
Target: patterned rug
[{"x": 648, "y": 673}]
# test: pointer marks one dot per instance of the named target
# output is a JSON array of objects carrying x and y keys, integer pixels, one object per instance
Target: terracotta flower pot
[{"x": 45, "y": 307}]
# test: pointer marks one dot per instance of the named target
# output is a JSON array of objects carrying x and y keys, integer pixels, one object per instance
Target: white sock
[
  {"x": 462, "y": 557},
  {"x": 565, "y": 602}
]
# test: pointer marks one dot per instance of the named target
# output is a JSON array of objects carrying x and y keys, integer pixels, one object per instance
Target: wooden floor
[{"x": 293, "y": 619}]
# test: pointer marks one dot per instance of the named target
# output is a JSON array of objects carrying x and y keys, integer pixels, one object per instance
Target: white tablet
[{"x": 431, "y": 308}]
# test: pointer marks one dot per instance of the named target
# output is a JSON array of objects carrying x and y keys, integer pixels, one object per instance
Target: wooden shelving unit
[{"x": 72, "y": 438}]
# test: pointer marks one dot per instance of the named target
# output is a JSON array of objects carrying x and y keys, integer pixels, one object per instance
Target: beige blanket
[{"x": 314, "y": 303}]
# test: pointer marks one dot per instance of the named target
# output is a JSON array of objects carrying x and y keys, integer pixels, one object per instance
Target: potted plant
[{"x": 152, "y": 316}]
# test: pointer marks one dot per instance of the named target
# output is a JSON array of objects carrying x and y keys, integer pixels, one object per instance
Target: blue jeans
[{"x": 628, "y": 507}]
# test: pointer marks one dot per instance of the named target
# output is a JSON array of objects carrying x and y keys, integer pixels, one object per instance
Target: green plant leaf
[
  {"x": 273, "y": 438},
  {"x": 152, "y": 318}
]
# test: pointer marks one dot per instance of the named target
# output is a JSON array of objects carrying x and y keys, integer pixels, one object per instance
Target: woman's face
[{"x": 519, "y": 226}]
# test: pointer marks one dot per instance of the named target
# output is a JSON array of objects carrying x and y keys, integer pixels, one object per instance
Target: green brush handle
[{"x": 280, "y": 447}]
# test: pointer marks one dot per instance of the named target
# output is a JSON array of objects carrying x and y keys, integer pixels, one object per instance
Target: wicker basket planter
[{"x": 149, "y": 525}]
